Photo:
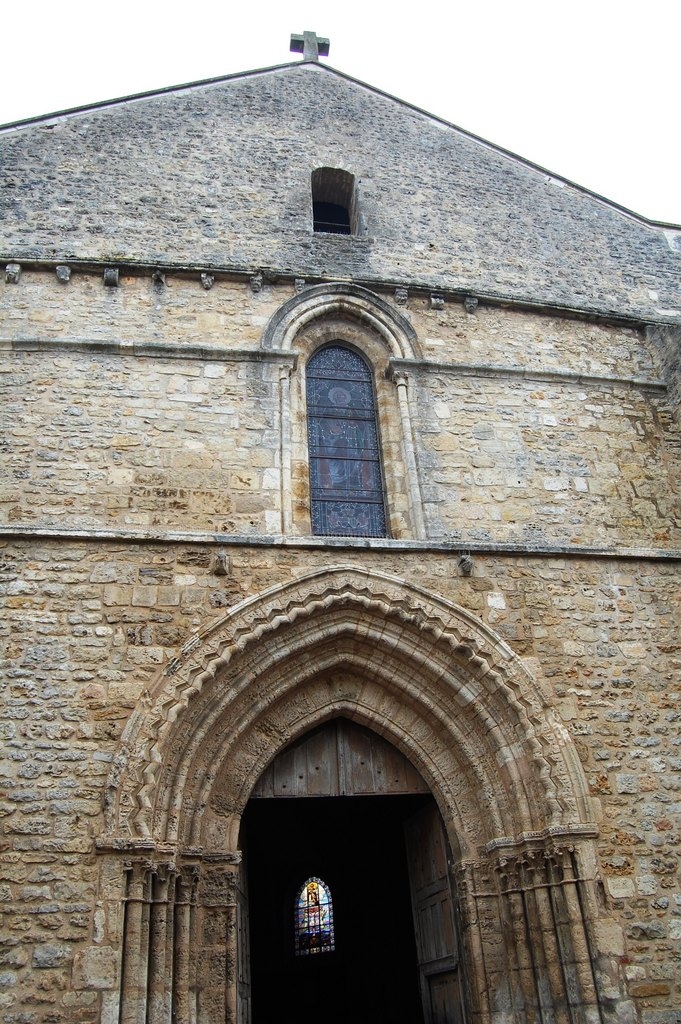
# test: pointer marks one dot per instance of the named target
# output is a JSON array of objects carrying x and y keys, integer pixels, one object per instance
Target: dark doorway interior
[{"x": 356, "y": 846}]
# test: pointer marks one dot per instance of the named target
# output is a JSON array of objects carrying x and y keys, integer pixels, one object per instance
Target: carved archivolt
[
  {"x": 344, "y": 300},
  {"x": 422, "y": 672}
]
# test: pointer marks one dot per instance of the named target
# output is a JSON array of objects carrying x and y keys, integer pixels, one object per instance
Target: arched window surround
[
  {"x": 337, "y": 331},
  {"x": 353, "y": 316}
]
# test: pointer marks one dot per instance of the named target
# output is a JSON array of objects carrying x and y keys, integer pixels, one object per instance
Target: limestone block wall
[
  {"x": 143, "y": 493},
  {"x": 180, "y": 311},
  {"x": 89, "y": 625},
  {"x": 153, "y": 405},
  {"x": 527, "y": 460},
  {"x": 231, "y": 314},
  {"x": 129, "y": 442},
  {"x": 668, "y": 343}
]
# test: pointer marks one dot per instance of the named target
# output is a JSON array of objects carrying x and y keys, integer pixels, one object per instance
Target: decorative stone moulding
[
  {"x": 111, "y": 277},
  {"x": 470, "y": 303},
  {"x": 401, "y": 296},
  {"x": 345, "y": 300},
  {"x": 298, "y": 285},
  {"x": 256, "y": 283},
  {"x": 63, "y": 274},
  {"x": 207, "y": 281},
  {"x": 473, "y": 697},
  {"x": 437, "y": 302},
  {"x": 429, "y": 678},
  {"x": 465, "y": 564},
  {"x": 12, "y": 273},
  {"x": 221, "y": 564}
]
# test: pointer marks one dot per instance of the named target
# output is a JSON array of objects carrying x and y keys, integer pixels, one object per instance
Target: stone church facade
[{"x": 220, "y": 682}]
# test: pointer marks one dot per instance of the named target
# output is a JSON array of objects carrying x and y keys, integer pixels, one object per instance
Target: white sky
[{"x": 586, "y": 89}]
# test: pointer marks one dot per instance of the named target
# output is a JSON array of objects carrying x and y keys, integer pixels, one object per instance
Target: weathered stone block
[
  {"x": 96, "y": 968},
  {"x": 52, "y": 955}
]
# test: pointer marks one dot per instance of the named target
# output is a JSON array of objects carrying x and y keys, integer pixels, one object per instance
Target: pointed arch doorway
[
  {"x": 415, "y": 669},
  {"x": 343, "y": 806}
]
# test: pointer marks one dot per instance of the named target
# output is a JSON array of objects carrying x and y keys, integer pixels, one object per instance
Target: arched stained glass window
[
  {"x": 346, "y": 482},
  {"x": 314, "y": 918}
]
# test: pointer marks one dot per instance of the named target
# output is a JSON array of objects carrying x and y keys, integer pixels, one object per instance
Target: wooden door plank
[
  {"x": 434, "y": 924},
  {"x": 341, "y": 758}
]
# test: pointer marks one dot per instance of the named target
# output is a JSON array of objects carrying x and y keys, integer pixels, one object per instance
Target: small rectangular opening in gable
[{"x": 333, "y": 201}]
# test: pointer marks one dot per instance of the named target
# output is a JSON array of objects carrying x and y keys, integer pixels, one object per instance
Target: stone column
[
  {"x": 160, "y": 980},
  {"x": 217, "y": 996},
  {"x": 549, "y": 962},
  {"x": 135, "y": 943},
  {"x": 572, "y": 934},
  {"x": 401, "y": 380},
  {"x": 542, "y": 938},
  {"x": 286, "y": 488},
  {"x": 523, "y": 995},
  {"x": 475, "y": 902},
  {"x": 184, "y": 946}
]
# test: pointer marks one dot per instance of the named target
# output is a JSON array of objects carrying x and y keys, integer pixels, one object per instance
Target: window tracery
[{"x": 346, "y": 480}]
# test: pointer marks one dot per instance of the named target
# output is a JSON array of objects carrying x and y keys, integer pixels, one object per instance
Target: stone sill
[{"x": 374, "y": 544}]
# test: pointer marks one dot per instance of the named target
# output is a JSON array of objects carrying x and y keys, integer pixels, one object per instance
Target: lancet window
[
  {"x": 346, "y": 479},
  {"x": 314, "y": 919}
]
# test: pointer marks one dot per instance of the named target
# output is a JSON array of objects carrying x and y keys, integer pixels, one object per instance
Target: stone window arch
[{"x": 389, "y": 515}]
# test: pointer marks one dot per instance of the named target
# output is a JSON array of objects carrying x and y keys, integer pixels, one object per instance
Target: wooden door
[
  {"x": 434, "y": 918},
  {"x": 339, "y": 759}
]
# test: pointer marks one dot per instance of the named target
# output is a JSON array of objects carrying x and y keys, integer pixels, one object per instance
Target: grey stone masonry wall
[
  {"x": 159, "y": 580},
  {"x": 219, "y": 176}
]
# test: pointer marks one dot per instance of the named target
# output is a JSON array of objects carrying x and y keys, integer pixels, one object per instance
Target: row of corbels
[
  {"x": 470, "y": 302},
  {"x": 111, "y": 278}
]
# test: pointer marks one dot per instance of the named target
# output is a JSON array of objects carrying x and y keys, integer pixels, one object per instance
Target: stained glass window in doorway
[
  {"x": 314, "y": 919},
  {"x": 345, "y": 463}
]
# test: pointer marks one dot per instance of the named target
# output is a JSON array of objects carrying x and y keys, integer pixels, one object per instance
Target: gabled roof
[
  {"x": 216, "y": 173},
  {"x": 201, "y": 83}
]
